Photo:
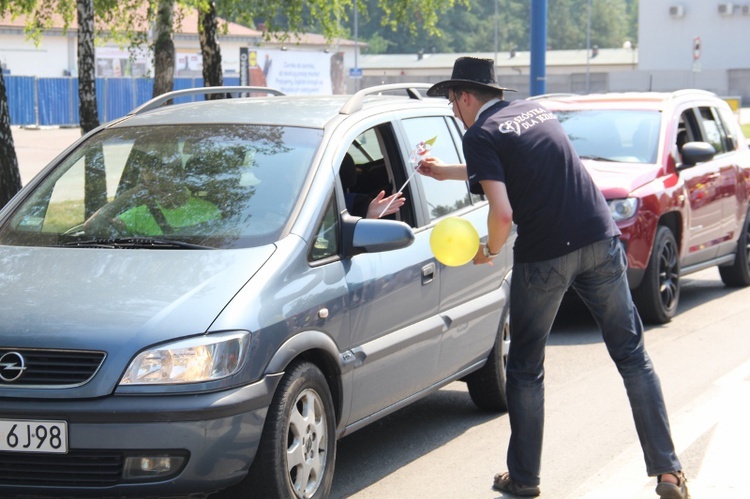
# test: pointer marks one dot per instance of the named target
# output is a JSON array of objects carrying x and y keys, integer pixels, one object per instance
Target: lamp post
[
  {"x": 538, "y": 71},
  {"x": 496, "y": 1},
  {"x": 356, "y": 45},
  {"x": 588, "y": 47}
]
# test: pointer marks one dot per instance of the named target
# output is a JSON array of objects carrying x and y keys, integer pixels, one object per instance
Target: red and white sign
[{"x": 696, "y": 48}]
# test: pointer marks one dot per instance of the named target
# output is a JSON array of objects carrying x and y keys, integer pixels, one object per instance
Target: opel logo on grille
[{"x": 11, "y": 366}]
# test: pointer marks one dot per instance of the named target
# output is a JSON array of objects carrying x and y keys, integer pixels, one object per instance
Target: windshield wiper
[
  {"x": 597, "y": 158},
  {"x": 134, "y": 243}
]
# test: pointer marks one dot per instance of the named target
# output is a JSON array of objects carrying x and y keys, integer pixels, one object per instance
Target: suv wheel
[
  {"x": 487, "y": 385},
  {"x": 738, "y": 274},
  {"x": 297, "y": 450},
  {"x": 657, "y": 296}
]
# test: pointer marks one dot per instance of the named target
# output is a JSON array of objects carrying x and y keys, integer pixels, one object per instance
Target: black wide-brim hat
[{"x": 469, "y": 72}]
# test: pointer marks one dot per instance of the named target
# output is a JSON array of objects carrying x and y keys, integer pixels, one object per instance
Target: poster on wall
[
  {"x": 114, "y": 62},
  {"x": 292, "y": 72},
  {"x": 188, "y": 64}
]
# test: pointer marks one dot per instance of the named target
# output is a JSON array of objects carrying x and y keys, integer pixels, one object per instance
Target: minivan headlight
[
  {"x": 193, "y": 360},
  {"x": 623, "y": 209}
]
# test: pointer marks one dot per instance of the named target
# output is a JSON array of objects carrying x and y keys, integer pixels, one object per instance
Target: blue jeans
[{"x": 598, "y": 273}]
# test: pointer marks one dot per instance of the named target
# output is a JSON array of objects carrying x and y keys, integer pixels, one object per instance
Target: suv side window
[
  {"x": 443, "y": 198},
  {"x": 713, "y": 129},
  {"x": 729, "y": 120}
]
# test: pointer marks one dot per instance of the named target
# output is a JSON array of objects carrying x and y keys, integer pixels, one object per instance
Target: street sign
[
  {"x": 355, "y": 72},
  {"x": 696, "y": 48}
]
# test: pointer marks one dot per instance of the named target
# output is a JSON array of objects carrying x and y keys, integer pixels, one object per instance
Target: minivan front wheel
[
  {"x": 297, "y": 450},
  {"x": 659, "y": 293}
]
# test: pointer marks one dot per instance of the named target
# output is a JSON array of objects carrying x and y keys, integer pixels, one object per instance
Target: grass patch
[{"x": 62, "y": 215}]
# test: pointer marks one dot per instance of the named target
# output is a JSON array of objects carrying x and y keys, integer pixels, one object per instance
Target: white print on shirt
[{"x": 526, "y": 120}]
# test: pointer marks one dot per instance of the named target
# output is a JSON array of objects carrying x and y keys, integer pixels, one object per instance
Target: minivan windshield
[
  {"x": 176, "y": 186},
  {"x": 626, "y": 136}
]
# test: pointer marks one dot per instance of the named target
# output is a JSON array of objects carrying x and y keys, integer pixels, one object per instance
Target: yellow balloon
[{"x": 454, "y": 241}]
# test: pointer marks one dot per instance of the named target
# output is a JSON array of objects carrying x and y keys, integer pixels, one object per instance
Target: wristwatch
[{"x": 487, "y": 253}]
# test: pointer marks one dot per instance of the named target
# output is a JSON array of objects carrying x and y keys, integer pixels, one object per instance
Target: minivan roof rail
[
  {"x": 159, "y": 100},
  {"x": 355, "y": 101}
]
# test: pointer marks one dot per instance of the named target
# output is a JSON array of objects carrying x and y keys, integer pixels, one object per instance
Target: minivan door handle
[{"x": 428, "y": 273}]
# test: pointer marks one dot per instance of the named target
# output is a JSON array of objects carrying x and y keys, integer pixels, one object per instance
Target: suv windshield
[
  {"x": 625, "y": 136},
  {"x": 219, "y": 186}
]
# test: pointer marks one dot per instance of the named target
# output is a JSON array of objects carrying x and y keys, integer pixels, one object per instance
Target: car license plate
[{"x": 17, "y": 435}]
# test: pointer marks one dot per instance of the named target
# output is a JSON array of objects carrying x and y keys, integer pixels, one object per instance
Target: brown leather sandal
[
  {"x": 667, "y": 490},
  {"x": 503, "y": 483}
]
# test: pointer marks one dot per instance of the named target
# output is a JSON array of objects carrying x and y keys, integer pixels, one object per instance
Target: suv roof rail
[
  {"x": 159, "y": 100},
  {"x": 691, "y": 91},
  {"x": 355, "y": 101}
]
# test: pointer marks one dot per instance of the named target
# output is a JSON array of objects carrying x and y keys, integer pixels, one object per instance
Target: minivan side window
[
  {"x": 372, "y": 163},
  {"x": 443, "y": 198},
  {"x": 325, "y": 243}
]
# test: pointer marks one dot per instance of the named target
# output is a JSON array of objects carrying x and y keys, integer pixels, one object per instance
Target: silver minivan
[{"x": 190, "y": 303}]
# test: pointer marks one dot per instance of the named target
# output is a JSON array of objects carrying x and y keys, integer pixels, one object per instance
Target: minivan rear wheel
[
  {"x": 659, "y": 293},
  {"x": 297, "y": 450},
  {"x": 487, "y": 385}
]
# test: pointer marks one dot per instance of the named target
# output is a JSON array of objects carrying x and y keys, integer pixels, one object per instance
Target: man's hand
[
  {"x": 433, "y": 167},
  {"x": 479, "y": 258}
]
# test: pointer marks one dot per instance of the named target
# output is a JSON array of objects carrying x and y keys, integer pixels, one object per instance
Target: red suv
[{"x": 675, "y": 169}]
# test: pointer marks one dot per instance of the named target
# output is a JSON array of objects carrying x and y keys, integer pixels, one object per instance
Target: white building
[
  {"x": 664, "y": 59},
  {"x": 56, "y": 54}
]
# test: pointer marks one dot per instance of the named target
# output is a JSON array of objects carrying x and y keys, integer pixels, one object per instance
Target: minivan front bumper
[{"x": 216, "y": 434}]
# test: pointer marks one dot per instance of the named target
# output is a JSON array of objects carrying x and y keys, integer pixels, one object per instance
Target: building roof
[{"x": 443, "y": 61}]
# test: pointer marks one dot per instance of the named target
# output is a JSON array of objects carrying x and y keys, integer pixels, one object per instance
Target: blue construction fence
[{"x": 36, "y": 101}]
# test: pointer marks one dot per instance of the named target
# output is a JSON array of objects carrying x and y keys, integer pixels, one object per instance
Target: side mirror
[
  {"x": 364, "y": 235},
  {"x": 696, "y": 152}
]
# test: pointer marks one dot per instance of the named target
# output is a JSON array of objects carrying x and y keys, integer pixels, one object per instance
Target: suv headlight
[
  {"x": 622, "y": 209},
  {"x": 193, "y": 360}
]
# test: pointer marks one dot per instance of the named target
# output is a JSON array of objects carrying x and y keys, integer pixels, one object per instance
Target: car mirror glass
[
  {"x": 697, "y": 152},
  {"x": 372, "y": 236}
]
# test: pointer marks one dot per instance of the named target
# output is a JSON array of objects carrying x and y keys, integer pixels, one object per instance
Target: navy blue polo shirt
[{"x": 556, "y": 205}]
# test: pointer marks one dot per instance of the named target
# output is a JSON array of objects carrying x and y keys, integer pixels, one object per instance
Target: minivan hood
[
  {"x": 618, "y": 180},
  {"x": 101, "y": 299}
]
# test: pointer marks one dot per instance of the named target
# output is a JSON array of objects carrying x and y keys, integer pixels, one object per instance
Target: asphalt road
[
  {"x": 36, "y": 147},
  {"x": 442, "y": 447}
]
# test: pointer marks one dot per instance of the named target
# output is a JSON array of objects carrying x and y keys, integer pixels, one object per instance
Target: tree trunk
[
  {"x": 10, "y": 177},
  {"x": 212, "y": 73},
  {"x": 87, "y": 109},
  {"x": 164, "y": 48}
]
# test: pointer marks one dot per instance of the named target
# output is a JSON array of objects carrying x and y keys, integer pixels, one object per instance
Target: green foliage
[
  {"x": 470, "y": 26},
  {"x": 334, "y": 18}
]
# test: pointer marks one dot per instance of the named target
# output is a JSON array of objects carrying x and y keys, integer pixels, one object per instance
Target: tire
[
  {"x": 737, "y": 275},
  {"x": 297, "y": 450},
  {"x": 659, "y": 293},
  {"x": 487, "y": 385}
]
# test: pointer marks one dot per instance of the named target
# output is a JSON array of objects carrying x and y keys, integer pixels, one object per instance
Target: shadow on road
[
  {"x": 376, "y": 451},
  {"x": 575, "y": 325}
]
